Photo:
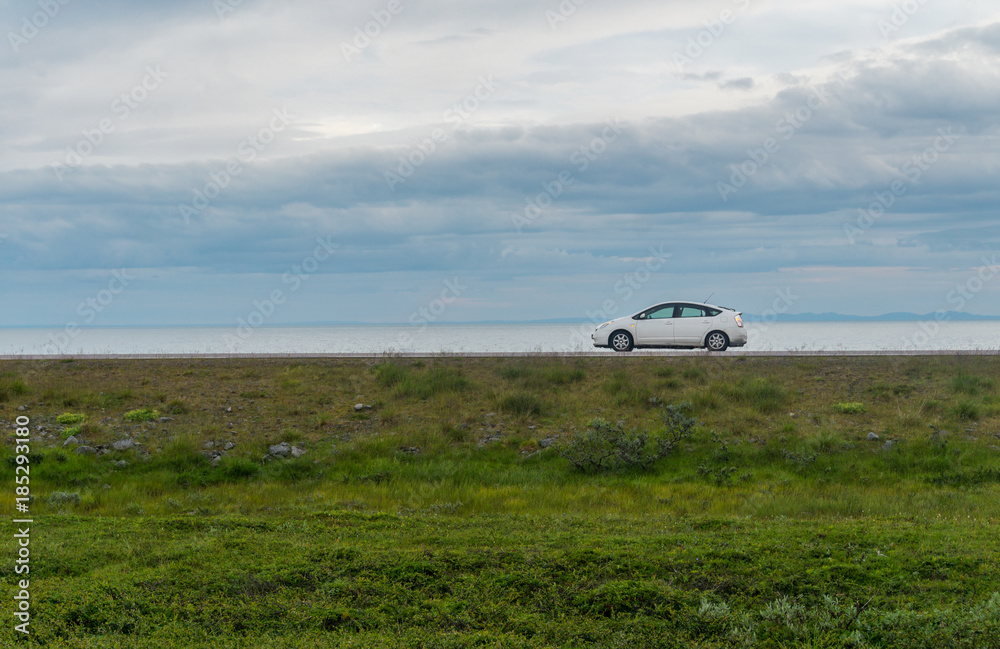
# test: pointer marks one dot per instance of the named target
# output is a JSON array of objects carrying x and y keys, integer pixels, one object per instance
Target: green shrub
[
  {"x": 11, "y": 385},
  {"x": 239, "y": 468},
  {"x": 760, "y": 394},
  {"x": 966, "y": 411},
  {"x": 390, "y": 374},
  {"x": 70, "y": 418},
  {"x": 852, "y": 408},
  {"x": 64, "y": 498},
  {"x": 607, "y": 446},
  {"x": 970, "y": 384},
  {"x": 141, "y": 414},
  {"x": 71, "y": 431},
  {"x": 521, "y": 404},
  {"x": 176, "y": 407}
]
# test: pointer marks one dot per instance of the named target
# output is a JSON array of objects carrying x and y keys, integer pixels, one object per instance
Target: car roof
[{"x": 713, "y": 306}]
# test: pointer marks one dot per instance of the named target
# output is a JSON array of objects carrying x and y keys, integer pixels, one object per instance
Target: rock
[
  {"x": 106, "y": 486},
  {"x": 123, "y": 444},
  {"x": 547, "y": 442},
  {"x": 209, "y": 444},
  {"x": 298, "y": 452},
  {"x": 368, "y": 406},
  {"x": 359, "y": 407},
  {"x": 164, "y": 420},
  {"x": 888, "y": 445},
  {"x": 85, "y": 450},
  {"x": 995, "y": 448},
  {"x": 279, "y": 450},
  {"x": 229, "y": 409},
  {"x": 21, "y": 408},
  {"x": 410, "y": 450},
  {"x": 872, "y": 437},
  {"x": 216, "y": 460},
  {"x": 531, "y": 428},
  {"x": 121, "y": 464},
  {"x": 229, "y": 446},
  {"x": 71, "y": 441}
]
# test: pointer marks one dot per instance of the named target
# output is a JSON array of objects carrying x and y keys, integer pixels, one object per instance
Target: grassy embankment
[{"x": 445, "y": 516}]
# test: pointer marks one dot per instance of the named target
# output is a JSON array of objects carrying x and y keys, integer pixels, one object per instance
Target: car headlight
[{"x": 604, "y": 325}]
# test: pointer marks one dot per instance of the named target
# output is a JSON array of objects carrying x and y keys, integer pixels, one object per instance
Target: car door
[
  {"x": 655, "y": 326},
  {"x": 691, "y": 325}
]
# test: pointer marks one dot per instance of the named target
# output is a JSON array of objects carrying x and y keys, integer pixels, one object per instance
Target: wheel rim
[
  {"x": 620, "y": 342},
  {"x": 716, "y": 341}
]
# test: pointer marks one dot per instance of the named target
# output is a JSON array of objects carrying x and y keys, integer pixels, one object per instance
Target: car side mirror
[{"x": 641, "y": 316}]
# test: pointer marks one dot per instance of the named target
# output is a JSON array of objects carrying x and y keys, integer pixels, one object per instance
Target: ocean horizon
[{"x": 927, "y": 335}]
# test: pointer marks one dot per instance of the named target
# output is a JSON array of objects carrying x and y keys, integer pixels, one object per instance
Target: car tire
[
  {"x": 717, "y": 342},
  {"x": 621, "y": 341}
]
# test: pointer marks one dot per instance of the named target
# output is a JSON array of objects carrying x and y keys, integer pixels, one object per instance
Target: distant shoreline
[{"x": 796, "y": 318}]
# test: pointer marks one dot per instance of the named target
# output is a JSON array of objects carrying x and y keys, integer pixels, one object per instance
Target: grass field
[{"x": 447, "y": 514}]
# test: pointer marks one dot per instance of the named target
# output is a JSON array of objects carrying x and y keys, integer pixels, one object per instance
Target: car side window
[
  {"x": 711, "y": 313},
  {"x": 692, "y": 312},
  {"x": 661, "y": 312}
]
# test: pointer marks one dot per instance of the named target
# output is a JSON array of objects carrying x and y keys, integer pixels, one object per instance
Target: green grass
[
  {"x": 775, "y": 524},
  {"x": 70, "y": 418},
  {"x": 141, "y": 414}
]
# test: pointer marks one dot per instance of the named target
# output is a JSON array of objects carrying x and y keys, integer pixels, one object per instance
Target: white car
[{"x": 674, "y": 324}]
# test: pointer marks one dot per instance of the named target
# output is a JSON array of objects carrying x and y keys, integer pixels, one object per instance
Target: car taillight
[{"x": 739, "y": 320}]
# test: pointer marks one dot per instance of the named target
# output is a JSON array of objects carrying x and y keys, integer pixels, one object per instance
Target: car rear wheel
[
  {"x": 621, "y": 341},
  {"x": 717, "y": 342}
]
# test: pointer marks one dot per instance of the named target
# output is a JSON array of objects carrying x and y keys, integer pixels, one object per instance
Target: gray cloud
[{"x": 656, "y": 182}]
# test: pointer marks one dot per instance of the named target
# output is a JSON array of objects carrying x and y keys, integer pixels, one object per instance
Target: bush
[
  {"x": 609, "y": 447},
  {"x": 70, "y": 418},
  {"x": 141, "y": 414},
  {"x": 966, "y": 411},
  {"x": 521, "y": 404},
  {"x": 176, "y": 407},
  {"x": 852, "y": 408},
  {"x": 760, "y": 394},
  {"x": 11, "y": 385}
]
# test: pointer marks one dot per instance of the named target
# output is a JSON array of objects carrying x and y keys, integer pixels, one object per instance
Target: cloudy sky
[{"x": 198, "y": 160}]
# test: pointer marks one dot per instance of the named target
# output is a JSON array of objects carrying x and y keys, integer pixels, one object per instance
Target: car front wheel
[
  {"x": 621, "y": 341},
  {"x": 717, "y": 342}
]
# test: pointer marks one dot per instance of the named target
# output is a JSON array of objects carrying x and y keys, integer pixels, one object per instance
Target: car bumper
[{"x": 600, "y": 337}]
